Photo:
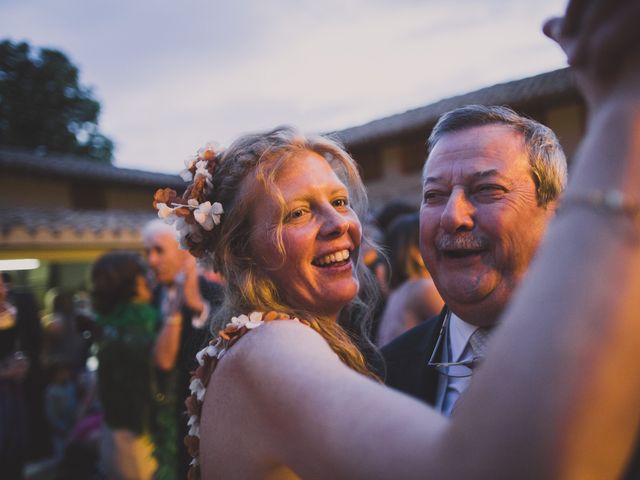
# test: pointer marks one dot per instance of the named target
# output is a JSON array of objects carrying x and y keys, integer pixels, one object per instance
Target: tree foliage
[{"x": 42, "y": 104}]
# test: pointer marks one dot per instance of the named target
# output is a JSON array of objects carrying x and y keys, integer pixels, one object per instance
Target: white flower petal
[
  {"x": 200, "y": 216},
  {"x": 200, "y": 356},
  {"x": 196, "y": 386},
  {"x": 194, "y": 431},
  {"x": 190, "y": 161},
  {"x": 240, "y": 320},
  {"x": 200, "y": 394},
  {"x": 208, "y": 224},
  {"x": 193, "y": 202},
  {"x": 164, "y": 211},
  {"x": 211, "y": 351},
  {"x": 255, "y": 320},
  {"x": 186, "y": 175},
  {"x": 193, "y": 420},
  {"x": 217, "y": 208}
]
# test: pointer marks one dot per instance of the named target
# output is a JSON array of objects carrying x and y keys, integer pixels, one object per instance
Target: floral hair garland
[
  {"x": 191, "y": 213},
  {"x": 207, "y": 360}
]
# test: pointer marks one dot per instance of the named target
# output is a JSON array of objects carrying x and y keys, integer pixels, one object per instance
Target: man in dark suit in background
[
  {"x": 185, "y": 300},
  {"x": 490, "y": 185}
]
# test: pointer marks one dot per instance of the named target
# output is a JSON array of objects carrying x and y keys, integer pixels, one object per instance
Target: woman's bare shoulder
[
  {"x": 252, "y": 394},
  {"x": 277, "y": 347}
]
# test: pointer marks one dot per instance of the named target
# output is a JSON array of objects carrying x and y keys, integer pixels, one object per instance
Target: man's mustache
[{"x": 461, "y": 241}]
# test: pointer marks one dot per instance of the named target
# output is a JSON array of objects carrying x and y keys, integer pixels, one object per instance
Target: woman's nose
[{"x": 334, "y": 223}]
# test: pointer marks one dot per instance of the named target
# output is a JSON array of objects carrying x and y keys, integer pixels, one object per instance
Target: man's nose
[
  {"x": 458, "y": 214},
  {"x": 152, "y": 258}
]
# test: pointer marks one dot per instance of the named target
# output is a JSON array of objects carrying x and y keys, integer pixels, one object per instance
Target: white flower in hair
[
  {"x": 166, "y": 213},
  {"x": 208, "y": 215},
  {"x": 201, "y": 169},
  {"x": 186, "y": 174},
  {"x": 190, "y": 161}
]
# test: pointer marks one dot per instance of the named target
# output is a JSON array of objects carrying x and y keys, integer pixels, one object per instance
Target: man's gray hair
[
  {"x": 546, "y": 157},
  {"x": 157, "y": 227}
]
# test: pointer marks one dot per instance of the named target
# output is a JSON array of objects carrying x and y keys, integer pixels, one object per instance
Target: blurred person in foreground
[
  {"x": 181, "y": 293},
  {"x": 277, "y": 397}
]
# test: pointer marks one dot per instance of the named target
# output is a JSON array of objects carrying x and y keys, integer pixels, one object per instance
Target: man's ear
[{"x": 552, "y": 206}]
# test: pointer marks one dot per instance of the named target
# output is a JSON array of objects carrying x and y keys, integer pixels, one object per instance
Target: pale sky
[{"x": 173, "y": 75}]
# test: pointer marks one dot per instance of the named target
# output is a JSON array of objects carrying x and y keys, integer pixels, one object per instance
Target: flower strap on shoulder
[{"x": 208, "y": 359}]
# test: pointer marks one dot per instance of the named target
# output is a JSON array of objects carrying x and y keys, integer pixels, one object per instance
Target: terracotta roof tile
[{"x": 56, "y": 220}]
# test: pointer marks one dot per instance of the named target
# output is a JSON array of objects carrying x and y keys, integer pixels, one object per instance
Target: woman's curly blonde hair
[{"x": 227, "y": 249}]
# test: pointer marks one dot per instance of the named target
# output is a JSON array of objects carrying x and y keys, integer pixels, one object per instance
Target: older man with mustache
[{"x": 490, "y": 186}]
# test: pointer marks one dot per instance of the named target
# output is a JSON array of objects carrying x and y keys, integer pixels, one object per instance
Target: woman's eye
[{"x": 294, "y": 214}]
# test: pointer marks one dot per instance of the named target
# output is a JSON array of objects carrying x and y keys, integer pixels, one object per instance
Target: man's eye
[
  {"x": 490, "y": 190},
  {"x": 340, "y": 202},
  {"x": 431, "y": 197}
]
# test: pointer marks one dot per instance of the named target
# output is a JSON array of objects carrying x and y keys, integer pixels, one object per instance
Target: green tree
[{"x": 43, "y": 105}]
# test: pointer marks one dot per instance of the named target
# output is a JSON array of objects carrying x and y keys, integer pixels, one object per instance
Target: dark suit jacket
[{"x": 406, "y": 360}]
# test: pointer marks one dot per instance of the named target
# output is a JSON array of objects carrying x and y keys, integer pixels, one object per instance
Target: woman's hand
[{"x": 601, "y": 39}]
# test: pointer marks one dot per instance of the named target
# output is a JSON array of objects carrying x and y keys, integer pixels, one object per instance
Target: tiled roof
[
  {"x": 518, "y": 94},
  {"x": 72, "y": 167},
  {"x": 56, "y": 220}
]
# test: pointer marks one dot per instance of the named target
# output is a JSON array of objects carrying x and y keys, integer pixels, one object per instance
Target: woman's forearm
[{"x": 560, "y": 377}]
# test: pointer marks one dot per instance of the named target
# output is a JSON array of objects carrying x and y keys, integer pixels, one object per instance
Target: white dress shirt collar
[{"x": 459, "y": 334}]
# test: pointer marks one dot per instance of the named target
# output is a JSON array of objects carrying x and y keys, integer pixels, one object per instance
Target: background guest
[
  {"x": 126, "y": 381},
  {"x": 180, "y": 291},
  {"x": 413, "y": 296}
]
